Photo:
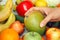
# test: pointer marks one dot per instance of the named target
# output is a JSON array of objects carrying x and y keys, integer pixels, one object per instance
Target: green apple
[
  {"x": 32, "y": 36},
  {"x": 33, "y": 20}
]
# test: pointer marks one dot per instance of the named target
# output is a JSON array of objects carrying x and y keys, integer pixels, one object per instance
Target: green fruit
[
  {"x": 33, "y": 20},
  {"x": 32, "y": 36}
]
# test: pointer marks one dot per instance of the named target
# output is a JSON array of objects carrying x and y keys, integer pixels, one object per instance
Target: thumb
[{"x": 46, "y": 20}]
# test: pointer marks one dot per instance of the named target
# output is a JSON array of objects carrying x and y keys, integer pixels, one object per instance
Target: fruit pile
[{"x": 26, "y": 27}]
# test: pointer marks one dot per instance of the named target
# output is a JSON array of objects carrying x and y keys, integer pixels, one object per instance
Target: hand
[
  {"x": 52, "y": 14},
  {"x": 44, "y": 10}
]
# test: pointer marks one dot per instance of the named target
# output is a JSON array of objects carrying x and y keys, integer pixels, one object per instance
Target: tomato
[
  {"x": 23, "y": 7},
  {"x": 17, "y": 26}
]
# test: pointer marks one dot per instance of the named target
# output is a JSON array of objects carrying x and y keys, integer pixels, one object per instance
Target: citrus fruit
[{"x": 9, "y": 34}]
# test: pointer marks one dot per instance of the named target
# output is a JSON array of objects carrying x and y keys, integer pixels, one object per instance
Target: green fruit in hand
[
  {"x": 32, "y": 36},
  {"x": 33, "y": 20},
  {"x": 7, "y": 24}
]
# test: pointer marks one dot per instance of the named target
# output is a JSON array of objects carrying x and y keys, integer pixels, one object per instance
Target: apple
[
  {"x": 32, "y": 22},
  {"x": 23, "y": 7},
  {"x": 32, "y": 36},
  {"x": 53, "y": 34},
  {"x": 18, "y": 27},
  {"x": 41, "y": 3}
]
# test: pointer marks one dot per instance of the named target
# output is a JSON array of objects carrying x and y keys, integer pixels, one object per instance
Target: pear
[
  {"x": 5, "y": 13},
  {"x": 7, "y": 24}
]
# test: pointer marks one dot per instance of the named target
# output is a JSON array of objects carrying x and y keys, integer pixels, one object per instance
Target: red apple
[
  {"x": 53, "y": 34},
  {"x": 23, "y": 7}
]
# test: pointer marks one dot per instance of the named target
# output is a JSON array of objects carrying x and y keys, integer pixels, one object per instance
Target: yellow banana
[
  {"x": 14, "y": 7},
  {"x": 6, "y": 25},
  {"x": 4, "y": 14}
]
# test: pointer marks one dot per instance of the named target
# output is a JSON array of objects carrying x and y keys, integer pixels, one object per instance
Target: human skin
[{"x": 50, "y": 14}]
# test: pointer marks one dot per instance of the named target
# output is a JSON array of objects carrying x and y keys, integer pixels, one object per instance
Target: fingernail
[{"x": 41, "y": 25}]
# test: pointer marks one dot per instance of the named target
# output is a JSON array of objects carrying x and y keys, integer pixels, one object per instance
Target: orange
[{"x": 9, "y": 34}]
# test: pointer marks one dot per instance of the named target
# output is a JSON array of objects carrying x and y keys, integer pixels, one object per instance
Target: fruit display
[{"x": 15, "y": 25}]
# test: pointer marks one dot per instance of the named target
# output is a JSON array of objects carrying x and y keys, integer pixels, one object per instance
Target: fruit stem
[
  {"x": 26, "y": 16},
  {"x": 32, "y": 33}
]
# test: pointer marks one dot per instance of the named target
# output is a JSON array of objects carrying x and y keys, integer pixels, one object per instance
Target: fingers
[
  {"x": 31, "y": 9},
  {"x": 46, "y": 10},
  {"x": 46, "y": 20}
]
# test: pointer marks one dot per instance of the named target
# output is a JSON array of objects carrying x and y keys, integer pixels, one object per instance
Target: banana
[
  {"x": 5, "y": 13},
  {"x": 6, "y": 25},
  {"x": 14, "y": 7}
]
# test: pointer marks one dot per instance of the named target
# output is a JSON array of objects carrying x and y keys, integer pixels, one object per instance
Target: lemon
[{"x": 41, "y": 3}]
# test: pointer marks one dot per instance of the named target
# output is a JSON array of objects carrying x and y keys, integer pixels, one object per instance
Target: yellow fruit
[
  {"x": 5, "y": 13},
  {"x": 40, "y": 3},
  {"x": 9, "y": 34},
  {"x": 7, "y": 24}
]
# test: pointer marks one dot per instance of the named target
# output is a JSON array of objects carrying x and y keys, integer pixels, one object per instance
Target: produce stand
[{"x": 49, "y": 24}]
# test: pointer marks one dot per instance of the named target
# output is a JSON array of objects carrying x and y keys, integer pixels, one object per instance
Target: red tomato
[
  {"x": 17, "y": 26},
  {"x": 23, "y": 7}
]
